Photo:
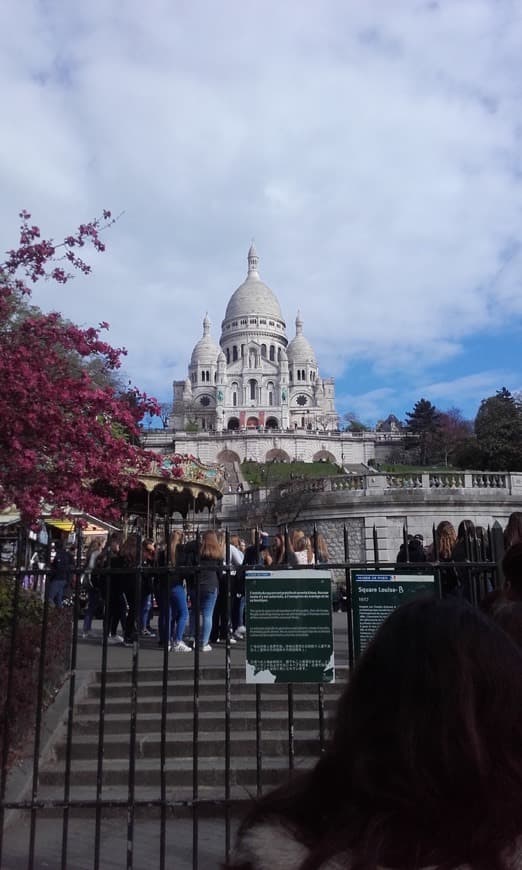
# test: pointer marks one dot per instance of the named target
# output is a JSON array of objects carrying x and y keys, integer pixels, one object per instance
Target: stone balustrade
[{"x": 450, "y": 480}]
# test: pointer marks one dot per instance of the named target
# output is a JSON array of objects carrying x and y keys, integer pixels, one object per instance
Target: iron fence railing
[{"x": 149, "y": 735}]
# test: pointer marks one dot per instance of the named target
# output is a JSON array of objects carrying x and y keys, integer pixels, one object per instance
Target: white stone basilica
[{"x": 254, "y": 379}]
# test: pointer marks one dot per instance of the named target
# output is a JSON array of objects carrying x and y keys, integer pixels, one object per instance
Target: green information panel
[
  {"x": 376, "y": 595},
  {"x": 289, "y": 627}
]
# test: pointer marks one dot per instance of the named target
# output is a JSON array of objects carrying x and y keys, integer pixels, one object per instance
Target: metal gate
[{"x": 138, "y": 756}]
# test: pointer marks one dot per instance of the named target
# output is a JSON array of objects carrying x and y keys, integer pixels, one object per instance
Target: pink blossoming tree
[{"x": 69, "y": 435}]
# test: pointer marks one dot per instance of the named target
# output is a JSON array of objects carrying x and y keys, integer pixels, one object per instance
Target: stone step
[
  {"x": 236, "y": 687},
  {"x": 186, "y": 687},
  {"x": 207, "y": 674},
  {"x": 206, "y": 703},
  {"x": 148, "y": 722},
  {"x": 178, "y": 772},
  {"x": 210, "y": 800},
  {"x": 180, "y": 745}
]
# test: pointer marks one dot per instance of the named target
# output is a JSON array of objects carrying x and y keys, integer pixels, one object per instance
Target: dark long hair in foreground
[{"x": 425, "y": 764}]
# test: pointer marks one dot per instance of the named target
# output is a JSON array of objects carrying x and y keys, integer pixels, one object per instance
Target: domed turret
[
  {"x": 206, "y": 350},
  {"x": 253, "y": 296},
  {"x": 300, "y": 350}
]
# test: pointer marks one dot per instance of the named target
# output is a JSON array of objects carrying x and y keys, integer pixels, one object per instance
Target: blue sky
[{"x": 372, "y": 148}]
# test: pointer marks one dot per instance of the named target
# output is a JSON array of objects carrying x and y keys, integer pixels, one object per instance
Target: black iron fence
[{"x": 131, "y": 753}]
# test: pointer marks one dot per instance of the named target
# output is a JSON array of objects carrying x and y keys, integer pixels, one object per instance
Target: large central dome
[{"x": 253, "y": 296}]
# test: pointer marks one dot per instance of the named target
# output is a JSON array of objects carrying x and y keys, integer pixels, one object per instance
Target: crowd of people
[
  {"x": 454, "y": 548},
  {"x": 168, "y": 575},
  {"x": 188, "y": 612},
  {"x": 168, "y": 570}
]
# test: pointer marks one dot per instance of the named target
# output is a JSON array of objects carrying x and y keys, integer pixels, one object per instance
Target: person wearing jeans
[
  {"x": 172, "y": 599},
  {"x": 207, "y": 602},
  {"x": 207, "y": 579}
]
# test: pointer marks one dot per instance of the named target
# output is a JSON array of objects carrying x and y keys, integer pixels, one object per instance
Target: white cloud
[
  {"x": 372, "y": 149},
  {"x": 484, "y": 383}
]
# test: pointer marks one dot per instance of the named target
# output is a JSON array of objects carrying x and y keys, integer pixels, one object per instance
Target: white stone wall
[{"x": 343, "y": 448}]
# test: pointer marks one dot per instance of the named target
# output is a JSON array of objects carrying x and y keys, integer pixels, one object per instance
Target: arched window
[
  {"x": 270, "y": 389},
  {"x": 234, "y": 353},
  {"x": 272, "y": 353},
  {"x": 303, "y": 375},
  {"x": 253, "y": 388},
  {"x": 234, "y": 394},
  {"x": 228, "y": 355},
  {"x": 202, "y": 377},
  {"x": 298, "y": 374},
  {"x": 291, "y": 375},
  {"x": 263, "y": 351}
]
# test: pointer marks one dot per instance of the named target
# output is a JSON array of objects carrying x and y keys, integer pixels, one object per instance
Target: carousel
[{"x": 175, "y": 485}]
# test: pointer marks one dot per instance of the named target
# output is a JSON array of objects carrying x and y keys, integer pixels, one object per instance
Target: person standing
[
  {"x": 61, "y": 574},
  {"x": 173, "y": 605},
  {"x": 109, "y": 566},
  {"x": 148, "y": 560},
  {"x": 91, "y": 578},
  {"x": 205, "y": 587}
]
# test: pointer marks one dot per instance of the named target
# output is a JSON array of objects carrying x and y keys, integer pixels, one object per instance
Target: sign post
[
  {"x": 289, "y": 627},
  {"x": 377, "y": 594}
]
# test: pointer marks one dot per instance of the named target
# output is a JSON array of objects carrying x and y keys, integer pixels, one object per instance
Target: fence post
[
  {"x": 496, "y": 537},
  {"x": 348, "y": 583}
]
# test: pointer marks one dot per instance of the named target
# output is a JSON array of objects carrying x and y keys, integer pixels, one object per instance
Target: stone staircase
[
  {"x": 233, "y": 477},
  {"x": 272, "y": 751}
]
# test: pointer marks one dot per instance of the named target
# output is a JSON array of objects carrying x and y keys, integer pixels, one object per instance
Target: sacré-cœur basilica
[{"x": 255, "y": 378}]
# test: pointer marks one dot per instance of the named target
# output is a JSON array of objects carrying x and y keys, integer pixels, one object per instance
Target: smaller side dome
[
  {"x": 206, "y": 351},
  {"x": 300, "y": 350}
]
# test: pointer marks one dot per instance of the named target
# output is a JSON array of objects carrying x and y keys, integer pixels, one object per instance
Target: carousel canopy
[{"x": 177, "y": 483}]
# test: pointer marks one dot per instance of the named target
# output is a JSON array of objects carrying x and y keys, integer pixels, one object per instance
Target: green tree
[
  {"x": 498, "y": 429},
  {"x": 353, "y": 424},
  {"x": 423, "y": 427}
]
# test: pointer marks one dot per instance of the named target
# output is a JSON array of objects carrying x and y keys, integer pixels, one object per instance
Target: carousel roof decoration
[{"x": 181, "y": 482}]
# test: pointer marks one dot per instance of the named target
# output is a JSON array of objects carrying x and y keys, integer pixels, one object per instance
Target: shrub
[{"x": 17, "y": 723}]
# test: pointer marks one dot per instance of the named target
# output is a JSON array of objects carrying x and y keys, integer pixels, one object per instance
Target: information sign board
[
  {"x": 375, "y": 595},
  {"x": 289, "y": 627}
]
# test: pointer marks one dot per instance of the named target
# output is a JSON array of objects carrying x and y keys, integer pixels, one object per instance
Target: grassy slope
[{"x": 270, "y": 473}]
